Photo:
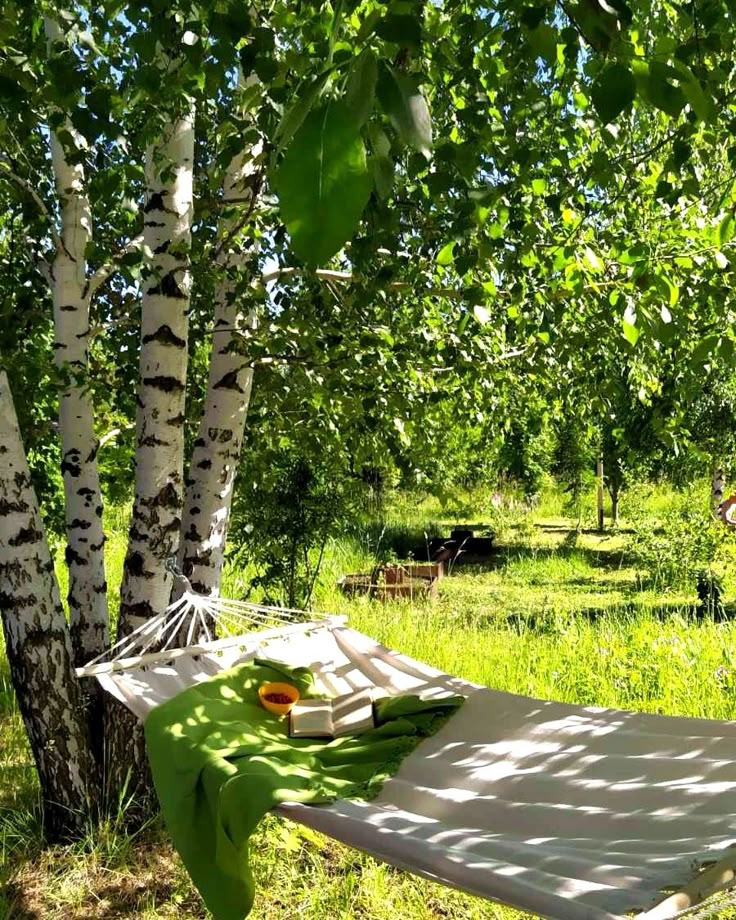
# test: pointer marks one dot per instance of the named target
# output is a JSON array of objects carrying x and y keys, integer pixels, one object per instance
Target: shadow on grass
[
  {"x": 122, "y": 898},
  {"x": 603, "y": 558},
  {"x": 401, "y": 541}
]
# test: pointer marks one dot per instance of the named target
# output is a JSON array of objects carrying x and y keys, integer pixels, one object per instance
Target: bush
[
  {"x": 683, "y": 549},
  {"x": 283, "y": 522}
]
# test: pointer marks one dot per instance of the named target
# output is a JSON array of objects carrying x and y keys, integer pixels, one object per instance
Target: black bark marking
[
  {"x": 168, "y": 497},
  {"x": 18, "y": 507},
  {"x": 177, "y": 420},
  {"x": 100, "y": 589},
  {"x": 193, "y": 534},
  {"x": 205, "y": 465},
  {"x": 96, "y": 547},
  {"x": 15, "y": 602},
  {"x": 70, "y": 463},
  {"x": 220, "y": 435},
  {"x": 72, "y": 557},
  {"x": 135, "y": 566},
  {"x": 86, "y": 492},
  {"x": 161, "y": 382},
  {"x": 229, "y": 382},
  {"x": 68, "y": 308},
  {"x": 195, "y": 510},
  {"x": 168, "y": 287},
  {"x": 152, "y": 441},
  {"x": 155, "y": 203},
  {"x": 98, "y": 511},
  {"x": 200, "y": 442},
  {"x": 26, "y": 535},
  {"x": 164, "y": 247},
  {"x": 79, "y": 524},
  {"x": 164, "y": 336},
  {"x": 93, "y": 453},
  {"x": 142, "y": 609}
]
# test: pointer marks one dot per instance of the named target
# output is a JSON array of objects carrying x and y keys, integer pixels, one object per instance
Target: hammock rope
[{"x": 155, "y": 640}]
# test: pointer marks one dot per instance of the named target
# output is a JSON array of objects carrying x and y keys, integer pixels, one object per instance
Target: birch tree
[
  {"x": 216, "y": 451},
  {"x": 71, "y": 300},
  {"x": 38, "y": 642}
]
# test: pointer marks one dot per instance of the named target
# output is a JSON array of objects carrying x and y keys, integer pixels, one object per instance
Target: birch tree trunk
[
  {"x": 157, "y": 508},
  {"x": 156, "y": 524},
  {"x": 216, "y": 451},
  {"x": 85, "y": 537},
  {"x": 37, "y": 641}
]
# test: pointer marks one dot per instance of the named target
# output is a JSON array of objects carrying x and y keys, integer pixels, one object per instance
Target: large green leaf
[
  {"x": 323, "y": 183},
  {"x": 406, "y": 106},
  {"x": 613, "y": 91},
  {"x": 360, "y": 91},
  {"x": 664, "y": 90}
]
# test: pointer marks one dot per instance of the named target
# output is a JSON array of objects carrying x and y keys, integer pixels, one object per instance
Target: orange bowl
[{"x": 279, "y": 709}]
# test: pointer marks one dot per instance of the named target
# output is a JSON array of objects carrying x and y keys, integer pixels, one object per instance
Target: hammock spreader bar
[{"x": 571, "y": 812}]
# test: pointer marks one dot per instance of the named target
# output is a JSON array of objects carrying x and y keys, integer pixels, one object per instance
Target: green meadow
[{"x": 560, "y": 612}]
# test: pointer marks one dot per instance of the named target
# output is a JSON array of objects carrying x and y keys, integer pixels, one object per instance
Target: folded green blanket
[{"x": 220, "y": 761}]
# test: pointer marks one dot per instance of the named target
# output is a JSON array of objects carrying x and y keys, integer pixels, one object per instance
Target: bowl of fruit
[{"x": 278, "y": 698}]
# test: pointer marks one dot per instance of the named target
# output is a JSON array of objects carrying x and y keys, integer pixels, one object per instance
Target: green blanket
[{"x": 220, "y": 762}]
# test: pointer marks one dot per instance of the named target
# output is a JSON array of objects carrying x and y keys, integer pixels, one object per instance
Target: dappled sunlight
[{"x": 536, "y": 802}]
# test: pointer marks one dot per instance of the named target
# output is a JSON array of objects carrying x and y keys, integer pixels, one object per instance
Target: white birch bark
[
  {"x": 156, "y": 524},
  {"x": 37, "y": 640},
  {"x": 85, "y": 537},
  {"x": 216, "y": 452}
]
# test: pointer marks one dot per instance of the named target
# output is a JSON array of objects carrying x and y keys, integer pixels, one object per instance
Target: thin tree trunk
[
  {"x": 37, "y": 642},
  {"x": 600, "y": 494},
  {"x": 216, "y": 452},
  {"x": 85, "y": 537},
  {"x": 157, "y": 508},
  {"x": 154, "y": 533},
  {"x": 614, "y": 504}
]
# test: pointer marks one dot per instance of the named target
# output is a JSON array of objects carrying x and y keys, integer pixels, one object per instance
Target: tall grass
[{"x": 559, "y": 614}]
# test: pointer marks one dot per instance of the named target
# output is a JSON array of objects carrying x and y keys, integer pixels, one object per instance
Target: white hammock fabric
[{"x": 571, "y": 812}]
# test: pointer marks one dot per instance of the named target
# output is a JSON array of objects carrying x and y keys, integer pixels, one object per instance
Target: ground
[{"x": 561, "y": 612}]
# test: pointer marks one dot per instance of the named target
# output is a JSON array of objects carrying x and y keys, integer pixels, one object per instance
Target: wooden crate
[{"x": 394, "y": 581}]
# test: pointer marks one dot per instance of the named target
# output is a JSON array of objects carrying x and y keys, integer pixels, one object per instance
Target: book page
[
  {"x": 352, "y": 713},
  {"x": 311, "y": 719}
]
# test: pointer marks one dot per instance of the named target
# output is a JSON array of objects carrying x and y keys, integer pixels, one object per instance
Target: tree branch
[
  {"x": 104, "y": 272},
  {"x": 6, "y": 171}
]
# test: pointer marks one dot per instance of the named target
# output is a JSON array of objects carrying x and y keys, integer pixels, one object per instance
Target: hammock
[{"x": 571, "y": 812}]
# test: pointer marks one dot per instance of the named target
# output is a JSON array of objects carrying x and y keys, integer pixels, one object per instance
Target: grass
[{"x": 560, "y": 613}]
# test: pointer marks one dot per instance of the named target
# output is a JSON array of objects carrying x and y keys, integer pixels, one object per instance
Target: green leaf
[
  {"x": 383, "y": 175},
  {"x": 592, "y": 260},
  {"x": 482, "y": 314},
  {"x": 404, "y": 103},
  {"x": 704, "y": 348},
  {"x": 360, "y": 92},
  {"x": 663, "y": 93},
  {"x": 630, "y": 330},
  {"x": 721, "y": 261},
  {"x": 726, "y": 230},
  {"x": 402, "y": 29},
  {"x": 323, "y": 183},
  {"x": 445, "y": 256},
  {"x": 294, "y": 116},
  {"x": 613, "y": 91}
]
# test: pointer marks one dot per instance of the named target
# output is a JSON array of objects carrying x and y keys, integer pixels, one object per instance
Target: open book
[{"x": 350, "y": 714}]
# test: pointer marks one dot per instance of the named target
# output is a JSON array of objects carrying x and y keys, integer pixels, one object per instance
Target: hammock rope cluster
[{"x": 571, "y": 812}]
